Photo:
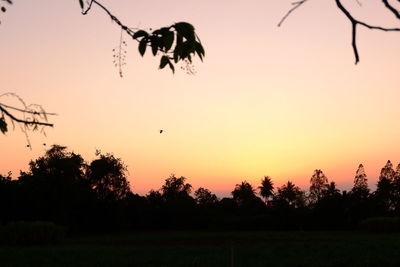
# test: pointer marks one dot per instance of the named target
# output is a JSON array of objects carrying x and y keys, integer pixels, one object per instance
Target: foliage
[
  {"x": 266, "y": 188},
  {"x": 290, "y": 195},
  {"x": 360, "y": 188},
  {"x": 319, "y": 183},
  {"x": 57, "y": 162},
  {"x": 243, "y": 193},
  {"x": 204, "y": 197},
  {"x": 175, "y": 187},
  {"x": 60, "y": 187},
  {"x": 384, "y": 190},
  {"x": 107, "y": 177},
  {"x": 175, "y": 43}
]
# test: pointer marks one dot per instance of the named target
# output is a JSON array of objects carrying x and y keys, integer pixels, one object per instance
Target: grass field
[{"x": 213, "y": 249}]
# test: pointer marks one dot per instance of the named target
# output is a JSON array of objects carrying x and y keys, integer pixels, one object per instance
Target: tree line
[{"x": 63, "y": 188}]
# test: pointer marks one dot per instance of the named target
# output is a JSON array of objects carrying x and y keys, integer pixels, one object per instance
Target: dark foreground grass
[{"x": 213, "y": 249}]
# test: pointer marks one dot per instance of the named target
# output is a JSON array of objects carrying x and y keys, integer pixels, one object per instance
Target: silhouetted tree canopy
[
  {"x": 175, "y": 188},
  {"x": 384, "y": 190},
  {"x": 107, "y": 177},
  {"x": 243, "y": 193},
  {"x": 360, "y": 188},
  {"x": 319, "y": 184},
  {"x": 266, "y": 188},
  {"x": 204, "y": 197},
  {"x": 290, "y": 195},
  {"x": 62, "y": 188},
  {"x": 58, "y": 162}
]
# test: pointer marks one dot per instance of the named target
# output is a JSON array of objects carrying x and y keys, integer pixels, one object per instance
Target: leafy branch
[{"x": 176, "y": 43}]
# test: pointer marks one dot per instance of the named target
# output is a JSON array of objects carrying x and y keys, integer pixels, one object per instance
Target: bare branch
[
  {"x": 28, "y": 111},
  {"x": 296, "y": 6},
  {"x": 354, "y": 22},
  {"x": 391, "y": 8},
  {"x": 113, "y": 18},
  {"x": 26, "y": 122}
]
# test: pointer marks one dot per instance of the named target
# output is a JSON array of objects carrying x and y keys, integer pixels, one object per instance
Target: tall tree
[
  {"x": 384, "y": 190},
  {"x": 319, "y": 183},
  {"x": 396, "y": 189},
  {"x": 360, "y": 188},
  {"x": 266, "y": 188}
]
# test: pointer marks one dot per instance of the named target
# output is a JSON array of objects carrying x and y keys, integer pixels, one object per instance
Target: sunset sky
[{"x": 267, "y": 100}]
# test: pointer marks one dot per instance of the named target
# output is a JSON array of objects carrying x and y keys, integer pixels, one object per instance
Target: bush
[
  {"x": 381, "y": 225},
  {"x": 31, "y": 233}
]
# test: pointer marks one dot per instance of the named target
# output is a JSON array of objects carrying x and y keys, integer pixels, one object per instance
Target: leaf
[
  {"x": 3, "y": 125},
  {"x": 142, "y": 46},
  {"x": 199, "y": 50},
  {"x": 3, "y": 9},
  {"x": 171, "y": 66},
  {"x": 164, "y": 61},
  {"x": 154, "y": 45},
  {"x": 178, "y": 52},
  {"x": 81, "y": 3},
  {"x": 139, "y": 34},
  {"x": 168, "y": 40},
  {"x": 186, "y": 30}
]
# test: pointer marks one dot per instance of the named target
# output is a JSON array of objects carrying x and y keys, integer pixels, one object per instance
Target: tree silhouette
[
  {"x": 290, "y": 195},
  {"x": 396, "y": 189},
  {"x": 331, "y": 190},
  {"x": 107, "y": 177},
  {"x": 318, "y": 186},
  {"x": 55, "y": 189},
  {"x": 175, "y": 187},
  {"x": 384, "y": 191},
  {"x": 360, "y": 188},
  {"x": 266, "y": 188},
  {"x": 58, "y": 162},
  {"x": 204, "y": 197},
  {"x": 243, "y": 193}
]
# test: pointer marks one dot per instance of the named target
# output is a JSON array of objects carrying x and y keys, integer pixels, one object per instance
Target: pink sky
[{"x": 266, "y": 101}]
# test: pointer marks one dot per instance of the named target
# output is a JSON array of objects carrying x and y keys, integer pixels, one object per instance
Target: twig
[
  {"x": 26, "y": 122},
  {"x": 391, "y": 8},
  {"x": 296, "y": 6},
  {"x": 28, "y": 111}
]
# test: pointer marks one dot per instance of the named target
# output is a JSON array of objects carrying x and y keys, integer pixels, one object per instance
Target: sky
[{"x": 267, "y": 100}]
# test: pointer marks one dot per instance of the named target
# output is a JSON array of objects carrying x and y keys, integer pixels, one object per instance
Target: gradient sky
[{"x": 266, "y": 100}]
